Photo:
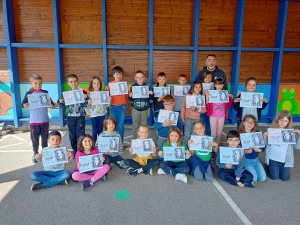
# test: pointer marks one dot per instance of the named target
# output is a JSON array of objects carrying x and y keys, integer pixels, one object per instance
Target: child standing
[
  {"x": 142, "y": 163},
  {"x": 251, "y": 85},
  {"x": 86, "y": 146},
  {"x": 39, "y": 119},
  {"x": 182, "y": 79},
  {"x": 109, "y": 131},
  {"x": 139, "y": 106},
  {"x": 75, "y": 113},
  {"x": 177, "y": 169},
  {"x": 158, "y": 101},
  {"x": 200, "y": 162},
  {"x": 96, "y": 112},
  {"x": 280, "y": 157},
  {"x": 54, "y": 174}
]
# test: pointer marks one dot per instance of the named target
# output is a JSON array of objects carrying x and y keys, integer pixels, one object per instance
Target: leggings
[
  {"x": 216, "y": 126},
  {"x": 95, "y": 175}
]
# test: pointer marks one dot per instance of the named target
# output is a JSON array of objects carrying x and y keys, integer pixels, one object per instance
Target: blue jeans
[
  {"x": 204, "y": 118},
  {"x": 150, "y": 164},
  {"x": 119, "y": 112},
  {"x": 50, "y": 178},
  {"x": 209, "y": 175},
  {"x": 97, "y": 125},
  {"x": 277, "y": 170},
  {"x": 255, "y": 167},
  {"x": 228, "y": 175},
  {"x": 173, "y": 168}
]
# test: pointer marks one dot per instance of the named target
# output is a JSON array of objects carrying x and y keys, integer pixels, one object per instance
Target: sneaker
[
  {"x": 129, "y": 169},
  {"x": 85, "y": 184},
  {"x": 33, "y": 159},
  {"x": 249, "y": 184},
  {"x": 160, "y": 171},
  {"x": 148, "y": 172},
  {"x": 103, "y": 178},
  {"x": 37, "y": 186},
  {"x": 65, "y": 182},
  {"x": 182, "y": 177},
  {"x": 134, "y": 172}
]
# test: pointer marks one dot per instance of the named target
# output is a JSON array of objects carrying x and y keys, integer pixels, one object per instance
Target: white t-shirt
[{"x": 278, "y": 152}]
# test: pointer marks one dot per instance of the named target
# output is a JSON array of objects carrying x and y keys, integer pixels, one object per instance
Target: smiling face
[
  {"x": 73, "y": 83},
  {"x": 174, "y": 137},
  {"x": 161, "y": 80},
  {"x": 87, "y": 143},
  {"x": 283, "y": 123},
  {"x": 143, "y": 132},
  {"x": 233, "y": 142},
  {"x": 249, "y": 124},
  {"x": 199, "y": 129},
  {"x": 140, "y": 78},
  {"x": 182, "y": 81},
  {"x": 208, "y": 79},
  {"x": 251, "y": 86},
  {"x": 96, "y": 85},
  {"x": 219, "y": 86},
  {"x": 54, "y": 141},
  {"x": 118, "y": 76},
  {"x": 36, "y": 84},
  {"x": 110, "y": 126},
  {"x": 169, "y": 105},
  {"x": 197, "y": 89}
]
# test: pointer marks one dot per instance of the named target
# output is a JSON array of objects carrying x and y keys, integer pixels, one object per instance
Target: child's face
[
  {"x": 248, "y": 124},
  {"x": 118, "y": 76},
  {"x": 219, "y": 86},
  {"x": 54, "y": 141},
  {"x": 199, "y": 129},
  {"x": 110, "y": 126},
  {"x": 208, "y": 79},
  {"x": 161, "y": 80},
  {"x": 174, "y": 137},
  {"x": 73, "y": 83},
  {"x": 169, "y": 106},
  {"x": 283, "y": 123},
  {"x": 139, "y": 78},
  {"x": 143, "y": 132},
  {"x": 87, "y": 143},
  {"x": 251, "y": 86},
  {"x": 233, "y": 142},
  {"x": 96, "y": 85},
  {"x": 197, "y": 88},
  {"x": 182, "y": 81},
  {"x": 36, "y": 84}
]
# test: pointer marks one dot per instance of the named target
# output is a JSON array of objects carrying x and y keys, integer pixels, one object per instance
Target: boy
[
  {"x": 39, "y": 119},
  {"x": 75, "y": 113},
  {"x": 139, "y": 105},
  {"x": 158, "y": 101},
  {"x": 55, "y": 174},
  {"x": 118, "y": 102},
  {"x": 182, "y": 79},
  {"x": 163, "y": 128},
  {"x": 234, "y": 174}
]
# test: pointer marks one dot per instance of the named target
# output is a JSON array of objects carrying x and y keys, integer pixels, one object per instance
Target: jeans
[
  {"x": 97, "y": 125},
  {"x": 37, "y": 131},
  {"x": 188, "y": 129},
  {"x": 277, "y": 170},
  {"x": 138, "y": 118},
  {"x": 209, "y": 175},
  {"x": 255, "y": 167},
  {"x": 228, "y": 175},
  {"x": 150, "y": 164},
  {"x": 173, "y": 168},
  {"x": 119, "y": 112},
  {"x": 117, "y": 160},
  {"x": 76, "y": 127},
  {"x": 50, "y": 178},
  {"x": 204, "y": 118}
]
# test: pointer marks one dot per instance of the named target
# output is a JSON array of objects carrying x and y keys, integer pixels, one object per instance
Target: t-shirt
[
  {"x": 204, "y": 155},
  {"x": 218, "y": 110},
  {"x": 278, "y": 152},
  {"x": 56, "y": 167},
  {"x": 251, "y": 111}
]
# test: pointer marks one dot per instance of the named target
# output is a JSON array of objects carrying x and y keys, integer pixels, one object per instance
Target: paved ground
[{"x": 144, "y": 199}]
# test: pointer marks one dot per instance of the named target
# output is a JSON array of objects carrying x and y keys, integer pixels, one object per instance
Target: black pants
[
  {"x": 35, "y": 132},
  {"x": 114, "y": 159},
  {"x": 229, "y": 176},
  {"x": 150, "y": 164},
  {"x": 76, "y": 127}
]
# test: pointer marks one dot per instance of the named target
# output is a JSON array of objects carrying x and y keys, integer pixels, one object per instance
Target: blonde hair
[
  {"x": 280, "y": 115},
  {"x": 35, "y": 76},
  {"x": 246, "y": 117}
]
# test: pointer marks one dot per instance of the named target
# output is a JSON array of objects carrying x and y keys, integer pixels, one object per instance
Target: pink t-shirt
[
  {"x": 79, "y": 153},
  {"x": 218, "y": 110}
]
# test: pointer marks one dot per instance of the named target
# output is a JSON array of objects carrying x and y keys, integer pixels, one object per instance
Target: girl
[
  {"x": 142, "y": 163},
  {"x": 191, "y": 115},
  {"x": 85, "y": 147},
  {"x": 217, "y": 111},
  {"x": 251, "y": 85},
  {"x": 177, "y": 169},
  {"x": 109, "y": 131},
  {"x": 96, "y": 112},
  {"x": 252, "y": 163},
  {"x": 280, "y": 157}
]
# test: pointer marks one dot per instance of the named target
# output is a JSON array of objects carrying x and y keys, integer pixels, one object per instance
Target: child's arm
[
  {"x": 214, "y": 145},
  {"x": 70, "y": 155},
  {"x": 183, "y": 108},
  {"x": 39, "y": 157},
  {"x": 297, "y": 145},
  {"x": 265, "y": 103},
  {"x": 130, "y": 151},
  {"x": 236, "y": 103},
  {"x": 153, "y": 151},
  {"x": 25, "y": 101}
]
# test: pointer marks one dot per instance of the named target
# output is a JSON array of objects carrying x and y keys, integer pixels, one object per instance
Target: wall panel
[
  {"x": 292, "y": 35},
  {"x": 2, "y": 29},
  {"x": 290, "y": 68},
  {"x": 4, "y": 73}
]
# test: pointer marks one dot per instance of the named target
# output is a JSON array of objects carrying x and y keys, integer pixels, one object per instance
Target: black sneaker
[
  {"x": 134, "y": 172},
  {"x": 37, "y": 186},
  {"x": 65, "y": 182},
  {"x": 249, "y": 184},
  {"x": 85, "y": 184},
  {"x": 129, "y": 169},
  {"x": 103, "y": 178},
  {"x": 33, "y": 159}
]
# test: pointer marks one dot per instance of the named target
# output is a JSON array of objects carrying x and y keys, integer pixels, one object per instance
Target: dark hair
[
  {"x": 91, "y": 83},
  {"x": 191, "y": 91},
  {"x": 213, "y": 55},
  {"x": 219, "y": 80},
  {"x": 79, "y": 144},
  {"x": 233, "y": 134},
  {"x": 161, "y": 74},
  {"x": 206, "y": 74},
  {"x": 174, "y": 129},
  {"x": 168, "y": 98},
  {"x": 183, "y": 75},
  {"x": 117, "y": 69},
  {"x": 139, "y": 71},
  {"x": 112, "y": 119},
  {"x": 54, "y": 133},
  {"x": 251, "y": 78},
  {"x": 72, "y": 76},
  {"x": 246, "y": 117}
]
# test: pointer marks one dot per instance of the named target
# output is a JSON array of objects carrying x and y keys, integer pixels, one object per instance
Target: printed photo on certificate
[
  {"x": 108, "y": 144},
  {"x": 118, "y": 88},
  {"x": 39, "y": 100},
  {"x": 164, "y": 115},
  {"x": 181, "y": 90},
  {"x": 140, "y": 146},
  {"x": 231, "y": 155},
  {"x": 207, "y": 86},
  {"x": 73, "y": 97},
  {"x": 201, "y": 143},
  {"x": 196, "y": 101},
  {"x": 90, "y": 163},
  {"x": 281, "y": 136},
  {"x": 217, "y": 96},
  {"x": 54, "y": 156},
  {"x": 140, "y": 91},
  {"x": 174, "y": 153},
  {"x": 252, "y": 140},
  {"x": 161, "y": 91},
  {"x": 99, "y": 97},
  {"x": 254, "y": 100}
]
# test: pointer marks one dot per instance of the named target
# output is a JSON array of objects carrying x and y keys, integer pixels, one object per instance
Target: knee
[
  {"x": 66, "y": 174},
  {"x": 106, "y": 167},
  {"x": 33, "y": 176},
  {"x": 75, "y": 176},
  {"x": 221, "y": 174}
]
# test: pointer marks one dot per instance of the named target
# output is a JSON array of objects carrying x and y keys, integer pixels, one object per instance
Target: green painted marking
[{"x": 122, "y": 195}]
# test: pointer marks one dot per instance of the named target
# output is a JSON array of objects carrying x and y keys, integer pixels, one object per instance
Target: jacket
[{"x": 216, "y": 73}]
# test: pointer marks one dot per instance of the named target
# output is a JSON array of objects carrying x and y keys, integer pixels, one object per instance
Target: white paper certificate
[
  {"x": 254, "y": 100},
  {"x": 161, "y": 91},
  {"x": 181, "y": 90},
  {"x": 118, "y": 88},
  {"x": 108, "y": 144},
  {"x": 99, "y": 97},
  {"x": 174, "y": 153},
  {"x": 54, "y": 156},
  {"x": 140, "y": 91},
  {"x": 231, "y": 155},
  {"x": 196, "y": 101},
  {"x": 164, "y": 115},
  {"x": 281, "y": 136},
  {"x": 140, "y": 146},
  {"x": 218, "y": 96},
  {"x": 201, "y": 143},
  {"x": 90, "y": 162},
  {"x": 250, "y": 140},
  {"x": 73, "y": 97},
  {"x": 207, "y": 86},
  {"x": 39, "y": 100}
]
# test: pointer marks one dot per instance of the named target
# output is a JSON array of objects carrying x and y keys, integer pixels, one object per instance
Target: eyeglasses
[
  {"x": 168, "y": 104},
  {"x": 284, "y": 121}
]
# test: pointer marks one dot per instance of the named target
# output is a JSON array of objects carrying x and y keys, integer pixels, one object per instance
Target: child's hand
[
  {"x": 103, "y": 159},
  {"x": 61, "y": 100},
  {"x": 70, "y": 154},
  {"x": 256, "y": 149},
  {"x": 130, "y": 94},
  {"x": 188, "y": 152},
  {"x": 248, "y": 151},
  {"x": 190, "y": 142},
  {"x": 151, "y": 92},
  {"x": 85, "y": 96},
  {"x": 52, "y": 106},
  {"x": 167, "y": 123},
  {"x": 153, "y": 150},
  {"x": 237, "y": 100},
  {"x": 106, "y": 88},
  {"x": 230, "y": 95},
  {"x": 130, "y": 150},
  {"x": 266, "y": 134},
  {"x": 160, "y": 99},
  {"x": 265, "y": 100},
  {"x": 193, "y": 108},
  {"x": 228, "y": 165},
  {"x": 90, "y": 101},
  {"x": 160, "y": 153},
  {"x": 207, "y": 94},
  {"x": 78, "y": 164},
  {"x": 26, "y": 105},
  {"x": 38, "y": 156},
  {"x": 297, "y": 131}
]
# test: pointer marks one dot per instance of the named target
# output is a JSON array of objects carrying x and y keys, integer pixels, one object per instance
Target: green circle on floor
[{"x": 122, "y": 195}]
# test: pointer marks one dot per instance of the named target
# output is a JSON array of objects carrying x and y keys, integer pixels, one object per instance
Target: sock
[{"x": 92, "y": 181}]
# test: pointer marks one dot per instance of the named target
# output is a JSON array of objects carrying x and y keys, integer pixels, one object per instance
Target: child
[
  {"x": 251, "y": 85},
  {"x": 200, "y": 163},
  {"x": 158, "y": 101},
  {"x": 139, "y": 105},
  {"x": 118, "y": 102},
  {"x": 177, "y": 169},
  {"x": 109, "y": 131},
  {"x": 182, "y": 79},
  {"x": 54, "y": 174},
  {"x": 234, "y": 174},
  {"x": 75, "y": 113},
  {"x": 217, "y": 111},
  {"x": 86, "y": 146},
  {"x": 280, "y": 157},
  {"x": 142, "y": 163},
  {"x": 163, "y": 128},
  {"x": 252, "y": 163},
  {"x": 39, "y": 119},
  {"x": 191, "y": 115},
  {"x": 96, "y": 112}
]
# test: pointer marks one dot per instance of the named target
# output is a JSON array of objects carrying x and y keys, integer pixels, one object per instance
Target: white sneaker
[
  {"x": 150, "y": 171},
  {"x": 182, "y": 177},
  {"x": 129, "y": 169},
  {"x": 160, "y": 171}
]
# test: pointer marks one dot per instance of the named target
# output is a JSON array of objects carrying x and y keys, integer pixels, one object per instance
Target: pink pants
[
  {"x": 95, "y": 175},
  {"x": 216, "y": 126}
]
